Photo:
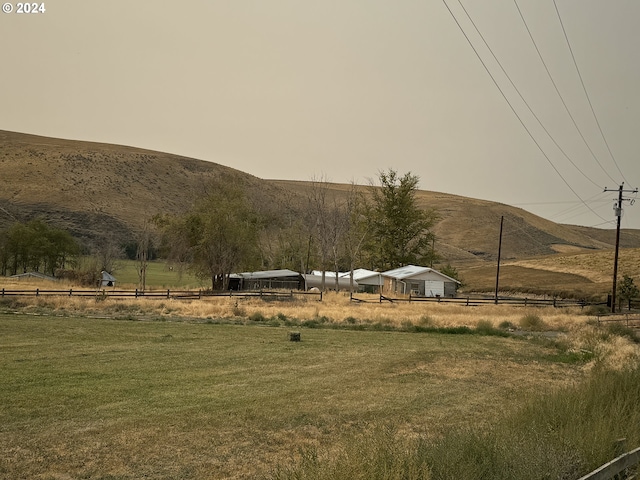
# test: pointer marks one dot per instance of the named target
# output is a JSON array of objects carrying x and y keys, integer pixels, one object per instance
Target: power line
[
  {"x": 522, "y": 97},
  {"x": 576, "y": 207},
  {"x": 514, "y": 110},
  {"x": 584, "y": 88},
  {"x": 575, "y": 124}
]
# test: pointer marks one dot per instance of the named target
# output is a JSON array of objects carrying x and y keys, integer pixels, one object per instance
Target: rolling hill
[{"x": 103, "y": 191}]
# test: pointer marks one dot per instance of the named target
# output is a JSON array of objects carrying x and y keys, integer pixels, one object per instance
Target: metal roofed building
[
  {"x": 419, "y": 281},
  {"x": 107, "y": 280},
  {"x": 366, "y": 280},
  {"x": 267, "y": 279}
]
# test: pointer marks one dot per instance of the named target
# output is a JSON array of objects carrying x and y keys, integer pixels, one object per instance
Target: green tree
[
  {"x": 401, "y": 230},
  {"x": 452, "y": 272},
  {"x": 37, "y": 247},
  {"x": 627, "y": 290},
  {"x": 216, "y": 237}
]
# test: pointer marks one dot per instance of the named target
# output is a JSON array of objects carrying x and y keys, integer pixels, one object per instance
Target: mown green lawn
[
  {"x": 113, "y": 399},
  {"x": 159, "y": 275}
]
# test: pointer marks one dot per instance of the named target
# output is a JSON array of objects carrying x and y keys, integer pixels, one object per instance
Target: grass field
[
  {"x": 159, "y": 275},
  {"x": 108, "y": 399}
]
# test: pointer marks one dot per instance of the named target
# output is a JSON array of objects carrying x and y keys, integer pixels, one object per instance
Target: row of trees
[
  {"x": 35, "y": 246},
  {"x": 379, "y": 227}
]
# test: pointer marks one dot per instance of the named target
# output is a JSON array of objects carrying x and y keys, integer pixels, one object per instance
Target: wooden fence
[
  {"x": 473, "y": 301},
  {"x": 628, "y": 319},
  {"x": 166, "y": 294},
  {"x": 616, "y": 468}
]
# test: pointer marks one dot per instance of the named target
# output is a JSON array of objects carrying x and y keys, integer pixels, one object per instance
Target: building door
[{"x": 433, "y": 288}]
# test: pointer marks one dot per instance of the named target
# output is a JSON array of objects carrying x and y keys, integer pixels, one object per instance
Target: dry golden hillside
[{"x": 99, "y": 191}]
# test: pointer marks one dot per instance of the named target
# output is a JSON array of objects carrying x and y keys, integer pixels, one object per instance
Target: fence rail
[
  {"x": 166, "y": 294},
  {"x": 627, "y": 319},
  {"x": 615, "y": 467},
  {"x": 477, "y": 301}
]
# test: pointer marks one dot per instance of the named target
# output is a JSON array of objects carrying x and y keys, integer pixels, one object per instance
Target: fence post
[
  {"x": 620, "y": 446},
  {"x": 467, "y": 301},
  {"x": 321, "y": 292},
  {"x": 525, "y": 301},
  {"x": 168, "y": 293},
  {"x": 3, "y": 292},
  {"x": 37, "y": 292},
  {"x": 70, "y": 291}
]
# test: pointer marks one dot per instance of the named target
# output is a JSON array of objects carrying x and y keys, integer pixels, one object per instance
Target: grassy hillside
[
  {"x": 102, "y": 192},
  {"x": 99, "y": 191},
  {"x": 468, "y": 229}
]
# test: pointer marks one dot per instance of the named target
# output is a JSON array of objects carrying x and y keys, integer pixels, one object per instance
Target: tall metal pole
[{"x": 499, "y": 252}]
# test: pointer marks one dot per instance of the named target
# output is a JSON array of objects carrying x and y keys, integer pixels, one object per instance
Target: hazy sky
[{"x": 292, "y": 89}]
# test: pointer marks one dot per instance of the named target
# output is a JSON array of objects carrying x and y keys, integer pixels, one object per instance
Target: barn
[
  {"x": 267, "y": 279},
  {"x": 419, "y": 281}
]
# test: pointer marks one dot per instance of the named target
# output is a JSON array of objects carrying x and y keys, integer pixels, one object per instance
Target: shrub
[
  {"x": 506, "y": 325},
  {"x": 485, "y": 327},
  {"x": 532, "y": 322},
  {"x": 257, "y": 317}
]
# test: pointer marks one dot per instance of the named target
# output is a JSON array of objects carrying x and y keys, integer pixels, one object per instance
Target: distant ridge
[{"x": 99, "y": 191}]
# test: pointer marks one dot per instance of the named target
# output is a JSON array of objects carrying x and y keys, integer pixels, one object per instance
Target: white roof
[
  {"x": 412, "y": 270},
  {"x": 267, "y": 274},
  {"x": 106, "y": 276},
  {"x": 361, "y": 273}
]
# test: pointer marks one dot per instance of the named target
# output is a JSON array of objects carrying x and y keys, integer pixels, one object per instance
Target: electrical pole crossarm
[{"x": 618, "y": 212}]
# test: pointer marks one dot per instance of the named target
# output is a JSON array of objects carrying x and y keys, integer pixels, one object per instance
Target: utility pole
[
  {"x": 617, "y": 208},
  {"x": 499, "y": 252}
]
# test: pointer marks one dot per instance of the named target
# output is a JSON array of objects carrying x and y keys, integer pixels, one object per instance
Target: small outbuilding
[
  {"x": 107, "y": 280},
  {"x": 419, "y": 281},
  {"x": 38, "y": 275}
]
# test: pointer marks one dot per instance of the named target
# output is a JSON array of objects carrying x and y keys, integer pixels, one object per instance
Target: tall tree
[
  {"x": 319, "y": 218},
  {"x": 401, "y": 230},
  {"x": 143, "y": 247},
  {"x": 357, "y": 228},
  {"x": 218, "y": 235}
]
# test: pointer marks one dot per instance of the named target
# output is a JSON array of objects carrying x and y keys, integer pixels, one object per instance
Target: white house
[{"x": 419, "y": 281}]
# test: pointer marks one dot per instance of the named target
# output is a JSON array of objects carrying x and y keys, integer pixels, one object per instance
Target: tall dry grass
[{"x": 570, "y": 328}]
